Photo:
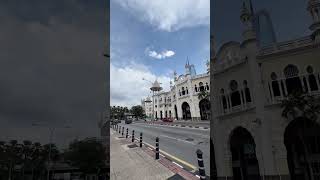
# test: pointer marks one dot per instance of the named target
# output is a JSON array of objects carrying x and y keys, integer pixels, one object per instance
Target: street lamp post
[{"x": 51, "y": 129}]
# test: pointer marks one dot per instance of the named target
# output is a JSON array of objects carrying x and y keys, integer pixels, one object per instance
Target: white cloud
[
  {"x": 127, "y": 87},
  {"x": 161, "y": 55},
  {"x": 169, "y": 15}
]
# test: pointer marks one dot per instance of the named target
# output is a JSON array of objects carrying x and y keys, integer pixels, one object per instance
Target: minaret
[
  {"x": 247, "y": 16},
  {"x": 314, "y": 9}
]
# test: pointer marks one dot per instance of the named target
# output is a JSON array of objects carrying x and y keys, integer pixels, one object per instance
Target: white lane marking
[
  {"x": 198, "y": 176},
  {"x": 177, "y": 126},
  {"x": 150, "y": 148},
  {"x": 196, "y": 134},
  {"x": 161, "y": 155},
  {"x": 177, "y": 164},
  {"x": 177, "y": 139}
]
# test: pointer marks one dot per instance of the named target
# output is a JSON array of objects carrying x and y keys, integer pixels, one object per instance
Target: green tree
[
  {"x": 88, "y": 155},
  {"x": 203, "y": 95},
  {"x": 306, "y": 107},
  {"x": 137, "y": 111},
  {"x": 298, "y": 104}
]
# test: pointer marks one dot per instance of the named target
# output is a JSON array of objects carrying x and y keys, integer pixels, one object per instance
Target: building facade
[
  {"x": 252, "y": 140},
  {"x": 183, "y": 102}
]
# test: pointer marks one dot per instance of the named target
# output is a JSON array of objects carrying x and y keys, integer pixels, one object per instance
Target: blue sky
[{"x": 151, "y": 39}]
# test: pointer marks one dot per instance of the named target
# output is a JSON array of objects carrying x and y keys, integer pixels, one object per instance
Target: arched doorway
[
  {"x": 302, "y": 141},
  {"x": 204, "y": 106},
  {"x": 176, "y": 111},
  {"x": 244, "y": 161},
  {"x": 186, "y": 114}
]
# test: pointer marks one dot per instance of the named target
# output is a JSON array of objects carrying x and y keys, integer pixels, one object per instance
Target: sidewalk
[{"x": 133, "y": 163}]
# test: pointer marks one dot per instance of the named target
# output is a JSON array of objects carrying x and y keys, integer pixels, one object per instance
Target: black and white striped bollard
[
  {"x": 132, "y": 136},
  {"x": 127, "y": 133},
  {"x": 157, "y": 148},
  {"x": 202, "y": 172},
  {"x": 122, "y": 131},
  {"x": 141, "y": 139}
]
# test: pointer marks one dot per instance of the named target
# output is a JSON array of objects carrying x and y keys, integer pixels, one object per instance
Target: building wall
[{"x": 186, "y": 82}]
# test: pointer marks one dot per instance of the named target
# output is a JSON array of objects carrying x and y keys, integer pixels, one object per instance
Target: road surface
[{"x": 181, "y": 142}]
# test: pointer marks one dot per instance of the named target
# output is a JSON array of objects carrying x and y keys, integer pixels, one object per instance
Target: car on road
[
  {"x": 167, "y": 119},
  {"x": 128, "y": 121}
]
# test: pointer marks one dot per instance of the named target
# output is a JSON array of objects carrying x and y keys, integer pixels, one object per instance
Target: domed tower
[
  {"x": 314, "y": 9},
  {"x": 247, "y": 18}
]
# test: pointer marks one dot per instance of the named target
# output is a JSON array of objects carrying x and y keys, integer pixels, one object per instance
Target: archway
[
  {"x": 176, "y": 111},
  {"x": 186, "y": 114},
  {"x": 244, "y": 161},
  {"x": 204, "y": 106},
  {"x": 302, "y": 141}
]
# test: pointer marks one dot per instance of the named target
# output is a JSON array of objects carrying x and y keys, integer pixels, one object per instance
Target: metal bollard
[
  {"x": 122, "y": 131},
  {"x": 127, "y": 133},
  {"x": 157, "y": 148},
  {"x": 132, "y": 136},
  {"x": 202, "y": 172},
  {"x": 141, "y": 139}
]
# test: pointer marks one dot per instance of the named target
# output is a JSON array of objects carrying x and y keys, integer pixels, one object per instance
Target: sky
[
  {"x": 52, "y": 71},
  {"x": 290, "y": 19},
  {"x": 151, "y": 40}
]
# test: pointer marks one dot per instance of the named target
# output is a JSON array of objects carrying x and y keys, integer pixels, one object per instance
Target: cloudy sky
[
  {"x": 152, "y": 39},
  {"x": 52, "y": 71},
  {"x": 289, "y": 17}
]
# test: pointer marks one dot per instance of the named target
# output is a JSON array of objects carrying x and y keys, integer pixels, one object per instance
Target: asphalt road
[{"x": 177, "y": 141}]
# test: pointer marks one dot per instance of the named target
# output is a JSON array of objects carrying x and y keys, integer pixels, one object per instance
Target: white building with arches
[
  {"x": 251, "y": 138},
  {"x": 182, "y": 101}
]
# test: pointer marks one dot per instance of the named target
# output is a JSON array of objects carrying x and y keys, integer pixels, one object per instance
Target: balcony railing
[{"x": 279, "y": 89}]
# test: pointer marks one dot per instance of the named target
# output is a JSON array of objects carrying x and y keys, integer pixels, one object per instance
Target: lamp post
[
  {"x": 51, "y": 129},
  {"x": 155, "y": 86}
]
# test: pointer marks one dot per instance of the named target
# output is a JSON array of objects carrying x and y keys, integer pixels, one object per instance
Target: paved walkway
[{"x": 133, "y": 163}]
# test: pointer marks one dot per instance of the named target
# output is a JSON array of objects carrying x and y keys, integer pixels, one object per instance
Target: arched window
[
  {"x": 293, "y": 82},
  {"x": 207, "y": 86},
  {"x": 183, "y": 91},
  {"x": 312, "y": 79},
  {"x": 223, "y": 99},
  {"x": 187, "y": 90},
  {"x": 275, "y": 84},
  {"x": 201, "y": 87},
  {"x": 195, "y": 88},
  {"x": 246, "y": 91},
  {"x": 235, "y": 94}
]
